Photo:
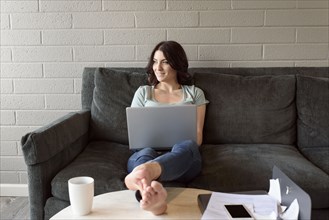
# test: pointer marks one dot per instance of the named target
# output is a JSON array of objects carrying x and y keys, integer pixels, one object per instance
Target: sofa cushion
[
  {"x": 106, "y": 162},
  {"x": 113, "y": 92},
  {"x": 248, "y": 109},
  {"x": 313, "y": 119},
  {"x": 244, "y": 167}
]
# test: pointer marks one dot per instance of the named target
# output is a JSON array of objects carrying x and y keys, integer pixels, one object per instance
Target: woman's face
[{"x": 162, "y": 69}]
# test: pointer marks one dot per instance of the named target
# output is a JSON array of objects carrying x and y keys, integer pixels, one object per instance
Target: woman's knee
[
  {"x": 187, "y": 145},
  {"x": 140, "y": 157},
  {"x": 148, "y": 151}
]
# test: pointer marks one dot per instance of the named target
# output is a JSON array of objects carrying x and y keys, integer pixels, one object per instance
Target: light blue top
[{"x": 144, "y": 97}]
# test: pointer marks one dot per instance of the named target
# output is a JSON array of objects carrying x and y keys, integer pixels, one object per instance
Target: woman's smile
[{"x": 162, "y": 69}]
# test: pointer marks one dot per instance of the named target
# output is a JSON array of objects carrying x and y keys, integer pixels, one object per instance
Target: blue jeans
[{"x": 182, "y": 163}]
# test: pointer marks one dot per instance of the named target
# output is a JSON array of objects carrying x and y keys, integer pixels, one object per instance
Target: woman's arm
[{"x": 201, "y": 112}]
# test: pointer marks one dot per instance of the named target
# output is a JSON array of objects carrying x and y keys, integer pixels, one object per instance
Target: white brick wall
[{"x": 45, "y": 45}]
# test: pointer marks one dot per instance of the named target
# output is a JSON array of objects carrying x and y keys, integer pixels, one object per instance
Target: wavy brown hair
[{"x": 177, "y": 59}]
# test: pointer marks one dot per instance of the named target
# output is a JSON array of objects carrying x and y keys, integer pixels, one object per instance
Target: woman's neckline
[{"x": 169, "y": 103}]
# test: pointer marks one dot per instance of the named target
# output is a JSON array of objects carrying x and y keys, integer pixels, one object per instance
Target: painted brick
[
  {"x": 312, "y": 35},
  {"x": 191, "y": 52},
  {"x": 314, "y": 17},
  {"x": 105, "y": 53},
  {"x": 198, "y": 5},
  {"x": 133, "y": 37},
  {"x": 7, "y": 117},
  {"x": 70, "y": 6},
  {"x": 41, "y": 20},
  {"x": 144, "y": 52},
  {"x": 42, "y": 54},
  {"x": 6, "y": 86},
  {"x": 263, "y": 35},
  {"x": 21, "y": 70},
  {"x": 8, "y": 148},
  {"x": 232, "y": 18},
  {"x": 263, "y": 4},
  {"x": 63, "y": 102},
  {"x": 310, "y": 63},
  {"x": 41, "y": 86},
  {"x": 23, "y": 177},
  {"x": 141, "y": 64},
  {"x": 14, "y": 102},
  {"x": 166, "y": 19},
  {"x": 5, "y": 22},
  {"x": 47, "y": 44},
  {"x": 103, "y": 20},
  {"x": 5, "y": 54},
  {"x": 200, "y": 36},
  {"x": 14, "y": 133},
  {"x": 38, "y": 118},
  {"x": 78, "y": 86},
  {"x": 9, "y": 177},
  {"x": 295, "y": 52},
  {"x": 12, "y": 162},
  {"x": 72, "y": 37},
  {"x": 313, "y": 4},
  {"x": 230, "y": 52},
  {"x": 19, "y": 148},
  {"x": 206, "y": 64},
  {"x": 66, "y": 70},
  {"x": 262, "y": 63},
  {"x": 19, "y": 6},
  {"x": 20, "y": 37},
  {"x": 155, "y": 5}
]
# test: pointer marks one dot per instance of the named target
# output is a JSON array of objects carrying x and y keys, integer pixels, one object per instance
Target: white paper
[
  {"x": 275, "y": 190},
  {"x": 292, "y": 212},
  {"x": 263, "y": 205}
]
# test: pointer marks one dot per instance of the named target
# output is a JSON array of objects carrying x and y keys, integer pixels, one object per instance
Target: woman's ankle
[{"x": 154, "y": 169}]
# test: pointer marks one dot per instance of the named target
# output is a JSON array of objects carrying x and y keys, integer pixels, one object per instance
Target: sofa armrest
[
  {"x": 44, "y": 143},
  {"x": 48, "y": 150}
]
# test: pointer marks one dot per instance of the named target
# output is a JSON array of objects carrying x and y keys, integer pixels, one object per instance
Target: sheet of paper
[
  {"x": 262, "y": 205},
  {"x": 292, "y": 212},
  {"x": 275, "y": 190}
]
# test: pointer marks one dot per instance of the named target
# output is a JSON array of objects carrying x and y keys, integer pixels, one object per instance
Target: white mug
[{"x": 81, "y": 192}]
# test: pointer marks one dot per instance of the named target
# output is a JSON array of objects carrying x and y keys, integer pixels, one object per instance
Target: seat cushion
[
  {"x": 244, "y": 167},
  {"x": 248, "y": 109},
  {"x": 313, "y": 119},
  {"x": 106, "y": 162},
  {"x": 113, "y": 92}
]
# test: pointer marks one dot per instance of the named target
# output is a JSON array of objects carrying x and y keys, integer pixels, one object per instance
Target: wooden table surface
[{"x": 182, "y": 204}]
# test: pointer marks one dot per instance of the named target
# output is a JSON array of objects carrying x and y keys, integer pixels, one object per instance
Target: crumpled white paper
[{"x": 285, "y": 214}]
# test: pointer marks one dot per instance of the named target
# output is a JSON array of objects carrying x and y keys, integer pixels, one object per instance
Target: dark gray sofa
[{"x": 257, "y": 118}]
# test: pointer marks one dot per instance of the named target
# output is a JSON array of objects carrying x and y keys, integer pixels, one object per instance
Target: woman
[{"x": 167, "y": 69}]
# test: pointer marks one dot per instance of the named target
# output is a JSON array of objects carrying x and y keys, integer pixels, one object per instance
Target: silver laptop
[{"x": 161, "y": 127}]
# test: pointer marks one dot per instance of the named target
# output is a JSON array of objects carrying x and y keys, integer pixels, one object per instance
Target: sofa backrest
[
  {"x": 248, "y": 109},
  {"x": 247, "y": 105},
  {"x": 113, "y": 92}
]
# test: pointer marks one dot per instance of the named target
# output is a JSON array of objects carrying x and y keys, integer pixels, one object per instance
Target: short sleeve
[
  {"x": 139, "y": 97},
  {"x": 195, "y": 95},
  {"x": 199, "y": 97}
]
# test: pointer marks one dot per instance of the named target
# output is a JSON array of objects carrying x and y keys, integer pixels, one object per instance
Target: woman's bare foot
[
  {"x": 148, "y": 171},
  {"x": 154, "y": 198}
]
